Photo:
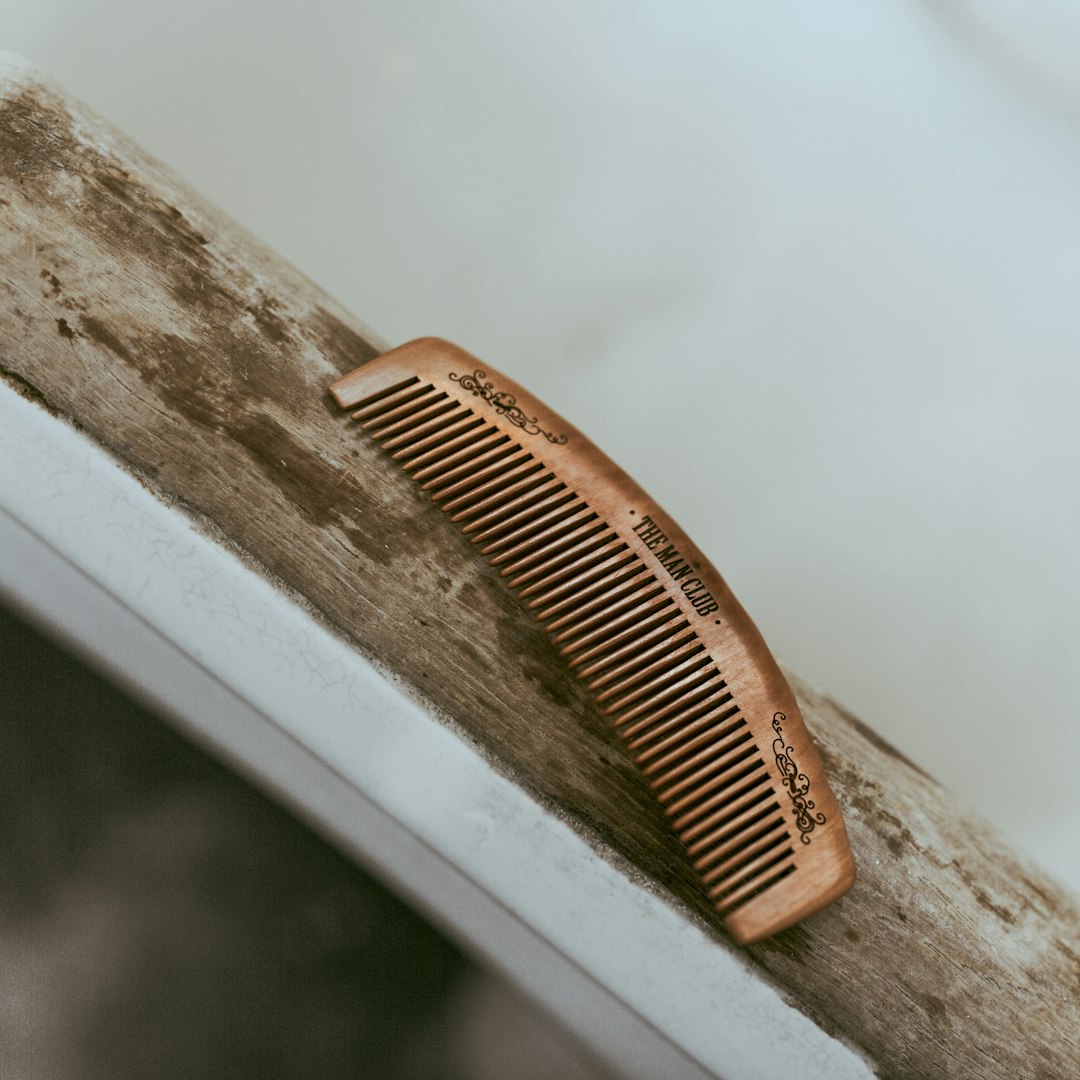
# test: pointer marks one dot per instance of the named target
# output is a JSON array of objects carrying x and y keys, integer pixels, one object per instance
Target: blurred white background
[{"x": 807, "y": 271}]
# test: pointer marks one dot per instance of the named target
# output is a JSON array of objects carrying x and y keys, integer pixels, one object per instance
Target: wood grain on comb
[{"x": 640, "y": 616}]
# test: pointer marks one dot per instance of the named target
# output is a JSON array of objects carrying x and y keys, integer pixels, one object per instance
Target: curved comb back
[{"x": 640, "y": 616}]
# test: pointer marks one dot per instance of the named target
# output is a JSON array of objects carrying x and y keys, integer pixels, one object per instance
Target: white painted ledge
[{"x": 103, "y": 564}]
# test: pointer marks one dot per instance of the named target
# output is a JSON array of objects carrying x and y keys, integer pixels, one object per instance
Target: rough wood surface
[{"x": 201, "y": 361}]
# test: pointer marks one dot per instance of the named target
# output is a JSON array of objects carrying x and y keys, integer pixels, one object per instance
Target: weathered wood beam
[{"x": 200, "y": 360}]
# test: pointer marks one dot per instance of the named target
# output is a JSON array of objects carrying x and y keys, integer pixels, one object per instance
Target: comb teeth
[
  {"x": 639, "y": 616},
  {"x": 621, "y": 632}
]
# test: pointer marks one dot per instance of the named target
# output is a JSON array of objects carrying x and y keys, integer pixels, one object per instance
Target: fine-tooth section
[
  {"x": 504, "y": 499},
  {"x": 484, "y": 451},
  {"x": 580, "y": 533},
  {"x": 649, "y": 661},
  {"x": 569, "y": 562},
  {"x": 528, "y": 494},
  {"x": 633, "y": 649},
  {"x": 674, "y": 693},
  {"x": 638, "y": 629},
  {"x": 458, "y": 425},
  {"x": 593, "y": 610},
  {"x": 566, "y": 507},
  {"x": 388, "y": 424},
  {"x": 495, "y": 464},
  {"x": 435, "y": 420},
  {"x": 639, "y": 605},
  {"x": 461, "y": 506},
  {"x": 639, "y": 597},
  {"x": 572, "y": 582},
  {"x": 474, "y": 438},
  {"x": 527, "y": 512},
  {"x": 652, "y": 735},
  {"x": 592, "y": 596},
  {"x": 671, "y": 681},
  {"x": 522, "y": 547},
  {"x": 695, "y": 717}
]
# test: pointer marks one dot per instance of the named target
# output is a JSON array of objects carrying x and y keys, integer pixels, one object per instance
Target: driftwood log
[{"x": 201, "y": 361}]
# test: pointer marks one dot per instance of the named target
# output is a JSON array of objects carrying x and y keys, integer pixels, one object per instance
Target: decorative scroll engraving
[
  {"x": 796, "y": 783},
  {"x": 504, "y": 404}
]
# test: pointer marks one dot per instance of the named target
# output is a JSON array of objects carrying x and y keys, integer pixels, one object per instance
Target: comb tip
[
  {"x": 753, "y": 923},
  {"x": 367, "y": 381}
]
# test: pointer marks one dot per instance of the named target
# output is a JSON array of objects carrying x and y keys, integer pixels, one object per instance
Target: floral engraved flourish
[
  {"x": 504, "y": 404},
  {"x": 796, "y": 783}
]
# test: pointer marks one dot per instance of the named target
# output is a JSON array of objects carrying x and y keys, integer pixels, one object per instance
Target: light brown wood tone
[
  {"x": 637, "y": 612},
  {"x": 194, "y": 354}
]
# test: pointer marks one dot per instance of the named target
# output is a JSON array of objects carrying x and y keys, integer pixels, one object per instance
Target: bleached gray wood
[{"x": 200, "y": 360}]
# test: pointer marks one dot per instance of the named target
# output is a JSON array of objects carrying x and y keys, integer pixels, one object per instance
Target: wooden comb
[{"x": 640, "y": 616}]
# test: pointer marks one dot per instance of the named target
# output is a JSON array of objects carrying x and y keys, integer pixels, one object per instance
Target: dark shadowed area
[{"x": 160, "y": 918}]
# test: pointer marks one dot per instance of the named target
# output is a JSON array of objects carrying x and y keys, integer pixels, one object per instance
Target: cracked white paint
[{"x": 110, "y": 567}]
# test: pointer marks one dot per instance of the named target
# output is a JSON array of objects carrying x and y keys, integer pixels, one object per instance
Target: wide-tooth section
[
  {"x": 690, "y": 759},
  {"x": 729, "y": 851},
  {"x": 745, "y": 880},
  {"x": 617, "y": 626},
  {"x": 671, "y": 762},
  {"x": 713, "y": 789},
  {"x": 749, "y": 857},
  {"x": 767, "y": 877},
  {"x": 737, "y": 814},
  {"x": 725, "y": 852},
  {"x": 689, "y": 783},
  {"x": 390, "y": 398},
  {"x": 743, "y": 779}
]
